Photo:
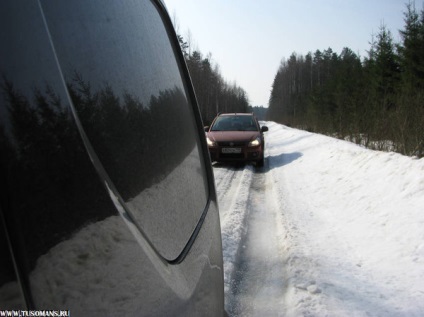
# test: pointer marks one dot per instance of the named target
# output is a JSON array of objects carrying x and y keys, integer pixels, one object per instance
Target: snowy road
[
  {"x": 326, "y": 228},
  {"x": 257, "y": 285}
]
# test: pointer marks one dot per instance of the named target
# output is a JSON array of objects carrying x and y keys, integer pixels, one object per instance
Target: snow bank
[{"x": 354, "y": 226}]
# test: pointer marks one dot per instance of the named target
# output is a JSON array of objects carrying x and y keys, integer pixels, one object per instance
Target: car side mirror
[
  {"x": 206, "y": 128},
  {"x": 264, "y": 129}
]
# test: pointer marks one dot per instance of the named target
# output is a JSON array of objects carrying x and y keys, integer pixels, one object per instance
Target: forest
[
  {"x": 213, "y": 93},
  {"x": 376, "y": 101}
]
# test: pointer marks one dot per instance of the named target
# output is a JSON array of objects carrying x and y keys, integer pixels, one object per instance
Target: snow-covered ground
[{"x": 326, "y": 228}]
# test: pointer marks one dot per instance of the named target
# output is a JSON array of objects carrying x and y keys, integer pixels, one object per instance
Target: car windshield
[{"x": 235, "y": 123}]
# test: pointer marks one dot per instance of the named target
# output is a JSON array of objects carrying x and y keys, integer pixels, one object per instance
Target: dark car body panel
[
  {"x": 232, "y": 136},
  {"x": 93, "y": 217}
]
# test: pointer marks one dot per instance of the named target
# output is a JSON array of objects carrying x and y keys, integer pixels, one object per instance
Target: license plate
[{"x": 228, "y": 150}]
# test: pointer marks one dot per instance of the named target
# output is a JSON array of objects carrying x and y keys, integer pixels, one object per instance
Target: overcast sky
[{"x": 249, "y": 38}]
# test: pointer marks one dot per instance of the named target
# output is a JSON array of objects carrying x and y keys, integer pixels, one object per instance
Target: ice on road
[{"x": 326, "y": 228}]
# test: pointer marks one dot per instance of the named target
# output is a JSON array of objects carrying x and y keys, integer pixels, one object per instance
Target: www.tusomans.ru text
[{"x": 35, "y": 313}]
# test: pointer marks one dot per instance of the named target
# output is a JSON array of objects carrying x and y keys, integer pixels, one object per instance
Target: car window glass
[
  {"x": 126, "y": 87},
  {"x": 50, "y": 189},
  {"x": 235, "y": 123},
  {"x": 72, "y": 248}
]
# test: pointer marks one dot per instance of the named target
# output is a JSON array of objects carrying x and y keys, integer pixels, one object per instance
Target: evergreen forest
[
  {"x": 213, "y": 93},
  {"x": 376, "y": 101}
]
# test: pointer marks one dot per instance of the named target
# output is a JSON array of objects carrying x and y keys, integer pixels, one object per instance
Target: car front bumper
[{"x": 235, "y": 154}]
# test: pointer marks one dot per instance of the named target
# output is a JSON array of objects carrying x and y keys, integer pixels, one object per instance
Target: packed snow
[{"x": 326, "y": 228}]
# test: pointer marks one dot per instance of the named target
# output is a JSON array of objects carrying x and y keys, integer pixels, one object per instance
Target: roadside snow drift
[{"x": 351, "y": 237}]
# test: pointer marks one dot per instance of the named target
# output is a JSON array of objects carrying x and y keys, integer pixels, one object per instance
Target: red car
[{"x": 236, "y": 137}]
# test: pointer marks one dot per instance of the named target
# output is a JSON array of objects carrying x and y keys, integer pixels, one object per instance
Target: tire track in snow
[
  {"x": 233, "y": 194},
  {"x": 224, "y": 178},
  {"x": 258, "y": 286},
  {"x": 252, "y": 242}
]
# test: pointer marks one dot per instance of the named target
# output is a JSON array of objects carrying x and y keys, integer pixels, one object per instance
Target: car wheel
[{"x": 260, "y": 163}]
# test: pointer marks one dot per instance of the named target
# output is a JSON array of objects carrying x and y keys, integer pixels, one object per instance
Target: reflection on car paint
[{"x": 70, "y": 95}]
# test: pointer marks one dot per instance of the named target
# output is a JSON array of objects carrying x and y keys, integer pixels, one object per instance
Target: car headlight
[
  {"x": 255, "y": 142},
  {"x": 210, "y": 142}
]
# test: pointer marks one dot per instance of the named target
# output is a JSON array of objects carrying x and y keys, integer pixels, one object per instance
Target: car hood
[{"x": 235, "y": 136}]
